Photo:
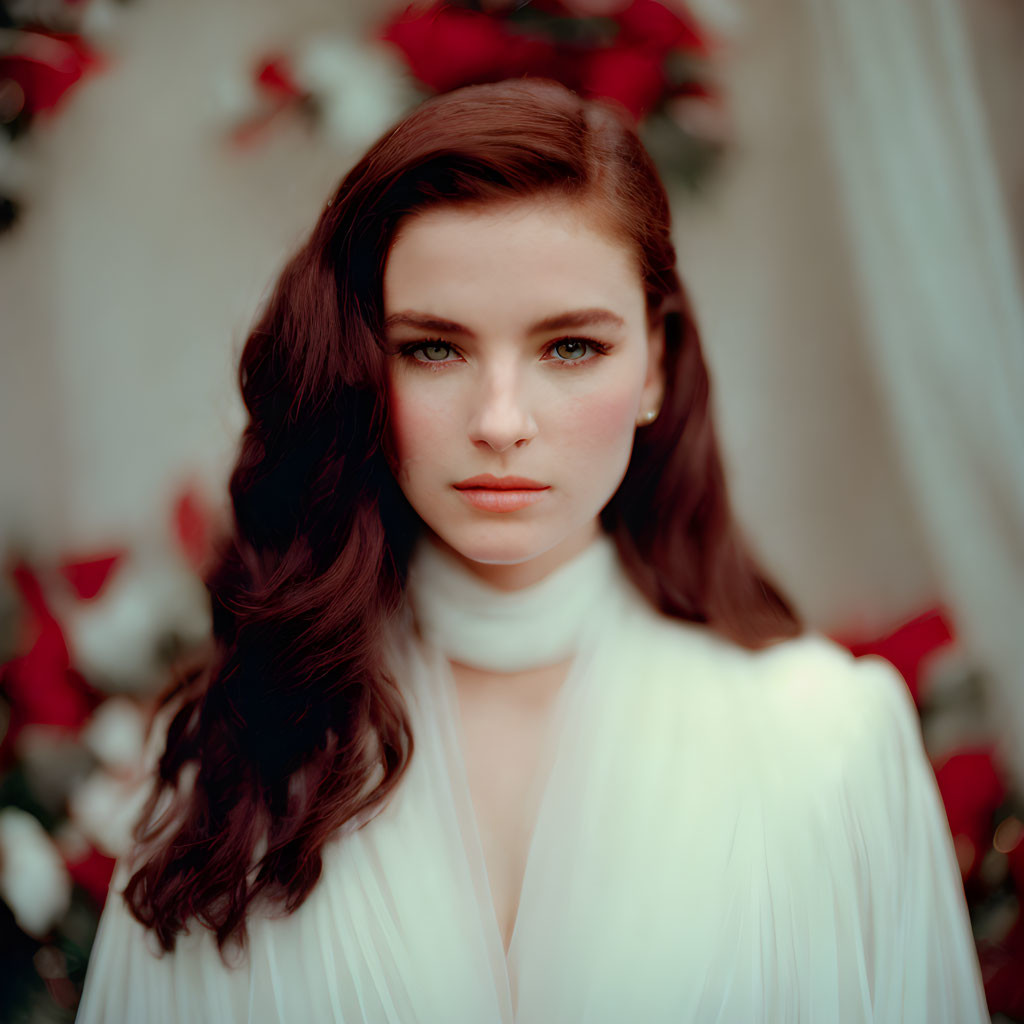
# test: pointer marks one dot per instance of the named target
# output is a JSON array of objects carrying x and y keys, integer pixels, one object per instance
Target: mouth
[
  {"x": 503, "y": 499},
  {"x": 487, "y": 482}
]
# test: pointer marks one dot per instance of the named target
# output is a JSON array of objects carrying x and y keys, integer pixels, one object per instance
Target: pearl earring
[{"x": 648, "y": 417}]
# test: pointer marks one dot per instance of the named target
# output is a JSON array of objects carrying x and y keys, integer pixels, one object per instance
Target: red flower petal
[
  {"x": 446, "y": 48},
  {"x": 646, "y": 23},
  {"x": 909, "y": 645},
  {"x": 93, "y": 873},
  {"x": 274, "y": 75},
  {"x": 40, "y": 685},
  {"x": 972, "y": 790},
  {"x": 46, "y": 66},
  {"x": 635, "y": 78},
  {"x": 88, "y": 577}
]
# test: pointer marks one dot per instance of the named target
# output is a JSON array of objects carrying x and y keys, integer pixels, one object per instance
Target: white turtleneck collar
[{"x": 478, "y": 624}]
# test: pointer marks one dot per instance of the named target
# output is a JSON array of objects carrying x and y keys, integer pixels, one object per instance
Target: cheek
[
  {"x": 416, "y": 424},
  {"x": 601, "y": 422}
]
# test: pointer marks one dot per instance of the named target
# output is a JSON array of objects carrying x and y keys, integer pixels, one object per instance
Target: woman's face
[{"x": 519, "y": 346}]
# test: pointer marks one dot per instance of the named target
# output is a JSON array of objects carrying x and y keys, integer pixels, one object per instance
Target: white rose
[
  {"x": 34, "y": 881},
  {"x": 106, "y": 807},
  {"x": 360, "y": 85},
  {"x": 116, "y": 735}
]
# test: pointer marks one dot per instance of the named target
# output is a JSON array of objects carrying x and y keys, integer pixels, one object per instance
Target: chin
[
  {"x": 516, "y": 543},
  {"x": 499, "y": 543},
  {"x": 496, "y": 552}
]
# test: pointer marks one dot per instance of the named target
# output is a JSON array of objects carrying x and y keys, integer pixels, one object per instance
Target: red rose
[
  {"x": 633, "y": 77},
  {"x": 446, "y": 48},
  {"x": 92, "y": 872},
  {"x": 651, "y": 25},
  {"x": 40, "y": 685},
  {"x": 909, "y": 646},
  {"x": 46, "y": 66},
  {"x": 972, "y": 791}
]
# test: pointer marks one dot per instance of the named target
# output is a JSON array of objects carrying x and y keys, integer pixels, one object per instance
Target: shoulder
[
  {"x": 805, "y": 703},
  {"x": 814, "y": 683},
  {"x": 813, "y": 672},
  {"x": 807, "y": 682},
  {"x": 839, "y": 728},
  {"x": 805, "y": 677}
]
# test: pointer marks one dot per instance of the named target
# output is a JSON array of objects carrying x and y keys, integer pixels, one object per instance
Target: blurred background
[{"x": 848, "y": 190}]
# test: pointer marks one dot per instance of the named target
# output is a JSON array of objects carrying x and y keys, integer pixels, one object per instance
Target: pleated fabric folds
[{"x": 722, "y": 836}]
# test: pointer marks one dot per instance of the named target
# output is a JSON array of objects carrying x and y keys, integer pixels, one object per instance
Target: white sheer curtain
[{"x": 942, "y": 304}]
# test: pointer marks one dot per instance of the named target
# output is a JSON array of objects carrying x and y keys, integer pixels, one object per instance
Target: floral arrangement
[
  {"x": 47, "y": 48},
  {"x": 86, "y": 642},
  {"x": 655, "y": 59},
  {"x": 349, "y": 90}
]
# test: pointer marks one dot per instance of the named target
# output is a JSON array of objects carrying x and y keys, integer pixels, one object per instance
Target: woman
[{"x": 502, "y": 722}]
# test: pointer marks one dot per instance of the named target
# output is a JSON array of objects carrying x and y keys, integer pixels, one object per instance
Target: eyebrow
[{"x": 560, "y": 321}]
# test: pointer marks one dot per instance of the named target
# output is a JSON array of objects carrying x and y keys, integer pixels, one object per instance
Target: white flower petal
[{"x": 34, "y": 881}]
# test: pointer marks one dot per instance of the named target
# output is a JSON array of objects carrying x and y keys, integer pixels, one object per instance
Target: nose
[{"x": 501, "y": 417}]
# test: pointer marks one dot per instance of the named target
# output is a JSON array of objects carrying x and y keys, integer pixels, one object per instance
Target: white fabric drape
[
  {"x": 722, "y": 835},
  {"x": 942, "y": 302}
]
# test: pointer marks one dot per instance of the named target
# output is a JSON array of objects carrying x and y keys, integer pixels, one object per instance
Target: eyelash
[{"x": 408, "y": 352}]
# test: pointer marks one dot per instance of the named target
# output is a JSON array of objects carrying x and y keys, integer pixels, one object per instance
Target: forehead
[{"x": 509, "y": 259}]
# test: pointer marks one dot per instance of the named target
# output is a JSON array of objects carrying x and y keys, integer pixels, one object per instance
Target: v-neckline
[{"x": 545, "y": 781}]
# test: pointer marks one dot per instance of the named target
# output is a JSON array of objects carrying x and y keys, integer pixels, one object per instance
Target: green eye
[{"x": 435, "y": 351}]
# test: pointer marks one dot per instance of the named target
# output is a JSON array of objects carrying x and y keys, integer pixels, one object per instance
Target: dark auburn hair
[{"x": 291, "y": 726}]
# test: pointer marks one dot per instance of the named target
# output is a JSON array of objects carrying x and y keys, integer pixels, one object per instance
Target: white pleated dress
[{"x": 722, "y": 836}]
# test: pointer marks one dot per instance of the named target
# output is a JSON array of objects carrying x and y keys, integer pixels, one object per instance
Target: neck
[{"x": 479, "y": 624}]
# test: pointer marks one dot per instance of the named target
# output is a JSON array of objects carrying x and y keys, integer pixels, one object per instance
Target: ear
[{"x": 654, "y": 384}]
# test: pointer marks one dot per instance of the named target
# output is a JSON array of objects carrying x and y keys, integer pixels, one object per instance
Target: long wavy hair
[{"x": 290, "y": 726}]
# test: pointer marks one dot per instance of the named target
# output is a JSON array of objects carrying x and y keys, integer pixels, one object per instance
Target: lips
[{"x": 488, "y": 482}]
